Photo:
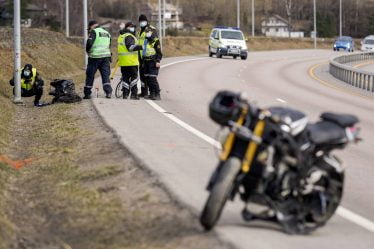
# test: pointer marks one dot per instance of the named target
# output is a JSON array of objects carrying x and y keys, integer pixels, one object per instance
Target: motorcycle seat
[
  {"x": 326, "y": 132},
  {"x": 344, "y": 120}
]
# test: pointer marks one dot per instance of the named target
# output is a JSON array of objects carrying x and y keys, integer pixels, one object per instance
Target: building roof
[
  {"x": 34, "y": 7},
  {"x": 278, "y": 17},
  {"x": 169, "y": 8}
]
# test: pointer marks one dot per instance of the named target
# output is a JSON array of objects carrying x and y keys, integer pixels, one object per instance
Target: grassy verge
[{"x": 82, "y": 190}]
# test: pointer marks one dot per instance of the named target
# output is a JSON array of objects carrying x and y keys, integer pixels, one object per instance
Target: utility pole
[
  {"x": 253, "y": 18},
  {"x": 238, "y": 14},
  {"x": 85, "y": 31},
  {"x": 340, "y": 14},
  {"x": 160, "y": 22},
  {"x": 17, "y": 51},
  {"x": 67, "y": 18},
  {"x": 315, "y": 25},
  {"x": 164, "y": 19}
]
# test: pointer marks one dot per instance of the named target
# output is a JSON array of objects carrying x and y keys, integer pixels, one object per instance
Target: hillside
[{"x": 65, "y": 181}]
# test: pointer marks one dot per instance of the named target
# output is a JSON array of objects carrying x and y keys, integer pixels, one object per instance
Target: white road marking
[
  {"x": 341, "y": 211},
  {"x": 185, "y": 125},
  {"x": 281, "y": 100},
  {"x": 355, "y": 218}
]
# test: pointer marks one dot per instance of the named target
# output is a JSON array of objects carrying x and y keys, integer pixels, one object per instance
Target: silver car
[{"x": 367, "y": 44}]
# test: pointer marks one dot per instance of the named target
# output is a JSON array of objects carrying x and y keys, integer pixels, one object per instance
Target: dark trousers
[
  {"x": 144, "y": 85},
  {"x": 103, "y": 65},
  {"x": 36, "y": 91},
  {"x": 130, "y": 79},
  {"x": 151, "y": 74}
]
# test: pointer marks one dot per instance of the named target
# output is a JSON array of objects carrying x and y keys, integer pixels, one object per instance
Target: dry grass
[{"x": 83, "y": 190}]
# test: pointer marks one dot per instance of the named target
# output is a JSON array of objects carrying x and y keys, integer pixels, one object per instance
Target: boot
[
  {"x": 157, "y": 96},
  {"x": 134, "y": 96},
  {"x": 152, "y": 96},
  {"x": 125, "y": 94}
]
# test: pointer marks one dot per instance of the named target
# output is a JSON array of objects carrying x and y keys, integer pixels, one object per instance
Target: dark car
[{"x": 344, "y": 42}]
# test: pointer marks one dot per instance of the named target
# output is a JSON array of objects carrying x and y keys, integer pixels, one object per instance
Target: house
[
  {"x": 277, "y": 26},
  {"x": 172, "y": 15},
  {"x": 33, "y": 12}
]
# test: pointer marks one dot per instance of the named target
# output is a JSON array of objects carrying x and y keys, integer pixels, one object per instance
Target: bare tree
[{"x": 288, "y": 5}]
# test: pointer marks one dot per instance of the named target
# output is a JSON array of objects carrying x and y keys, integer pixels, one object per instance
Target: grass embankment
[{"x": 82, "y": 190}]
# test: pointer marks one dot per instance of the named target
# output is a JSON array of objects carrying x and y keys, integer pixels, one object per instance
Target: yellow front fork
[
  {"x": 251, "y": 151},
  {"x": 227, "y": 146}
]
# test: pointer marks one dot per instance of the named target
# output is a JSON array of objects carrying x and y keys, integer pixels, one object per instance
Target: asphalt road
[{"x": 165, "y": 136}]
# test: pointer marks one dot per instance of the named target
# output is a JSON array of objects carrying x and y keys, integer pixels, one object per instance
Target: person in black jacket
[
  {"x": 128, "y": 60},
  {"x": 31, "y": 84},
  {"x": 151, "y": 57},
  {"x": 99, "y": 58}
]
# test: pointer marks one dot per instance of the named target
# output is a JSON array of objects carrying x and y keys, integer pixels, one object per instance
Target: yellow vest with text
[
  {"x": 29, "y": 85},
  {"x": 101, "y": 46},
  {"x": 141, "y": 38},
  {"x": 150, "y": 50},
  {"x": 125, "y": 57}
]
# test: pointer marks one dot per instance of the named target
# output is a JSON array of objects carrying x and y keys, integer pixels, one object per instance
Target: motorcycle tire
[
  {"x": 335, "y": 191},
  {"x": 219, "y": 193}
]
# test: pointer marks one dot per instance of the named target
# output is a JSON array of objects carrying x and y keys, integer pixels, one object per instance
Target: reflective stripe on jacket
[
  {"x": 30, "y": 84},
  {"x": 126, "y": 57},
  {"x": 101, "y": 46}
]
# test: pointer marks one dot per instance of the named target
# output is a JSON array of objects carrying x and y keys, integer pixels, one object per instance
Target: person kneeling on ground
[{"x": 31, "y": 84}]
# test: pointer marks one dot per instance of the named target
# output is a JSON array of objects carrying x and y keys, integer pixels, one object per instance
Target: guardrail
[{"x": 353, "y": 76}]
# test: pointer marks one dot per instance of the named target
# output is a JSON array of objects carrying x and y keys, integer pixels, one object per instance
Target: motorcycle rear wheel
[{"x": 219, "y": 193}]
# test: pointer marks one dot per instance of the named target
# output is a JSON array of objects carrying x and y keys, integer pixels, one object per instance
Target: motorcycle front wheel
[{"x": 220, "y": 192}]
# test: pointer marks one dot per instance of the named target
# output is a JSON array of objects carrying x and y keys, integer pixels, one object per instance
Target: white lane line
[
  {"x": 187, "y": 60},
  {"x": 341, "y": 211},
  {"x": 355, "y": 218},
  {"x": 185, "y": 125},
  {"x": 281, "y": 100}
]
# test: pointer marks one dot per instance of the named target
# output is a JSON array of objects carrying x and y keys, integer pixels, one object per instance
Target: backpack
[{"x": 64, "y": 92}]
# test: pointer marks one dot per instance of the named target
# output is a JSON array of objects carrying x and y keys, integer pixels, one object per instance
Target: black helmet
[
  {"x": 129, "y": 24},
  {"x": 142, "y": 18},
  {"x": 27, "y": 71},
  {"x": 91, "y": 23},
  {"x": 224, "y": 107}
]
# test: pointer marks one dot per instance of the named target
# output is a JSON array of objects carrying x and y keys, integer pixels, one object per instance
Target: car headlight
[{"x": 335, "y": 45}]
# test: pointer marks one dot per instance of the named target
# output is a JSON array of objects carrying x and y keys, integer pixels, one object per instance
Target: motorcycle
[{"x": 280, "y": 165}]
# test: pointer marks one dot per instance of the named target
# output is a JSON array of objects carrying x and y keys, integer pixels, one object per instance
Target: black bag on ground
[{"x": 64, "y": 92}]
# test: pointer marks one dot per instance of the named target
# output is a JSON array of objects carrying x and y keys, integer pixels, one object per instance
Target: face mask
[
  {"x": 143, "y": 24},
  {"x": 26, "y": 73},
  {"x": 148, "y": 34},
  {"x": 132, "y": 29}
]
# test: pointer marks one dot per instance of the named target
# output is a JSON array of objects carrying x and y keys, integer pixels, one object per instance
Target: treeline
[{"x": 358, "y": 15}]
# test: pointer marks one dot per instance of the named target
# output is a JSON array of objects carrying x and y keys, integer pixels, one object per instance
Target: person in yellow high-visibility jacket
[
  {"x": 128, "y": 60},
  {"x": 31, "y": 84},
  {"x": 151, "y": 57}
]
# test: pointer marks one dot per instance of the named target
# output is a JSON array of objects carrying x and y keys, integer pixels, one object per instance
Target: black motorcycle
[{"x": 279, "y": 164}]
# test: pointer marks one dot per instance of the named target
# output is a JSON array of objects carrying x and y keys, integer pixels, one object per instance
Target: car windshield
[
  {"x": 235, "y": 35},
  {"x": 344, "y": 39},
  {"x": 369, "y": 41}
]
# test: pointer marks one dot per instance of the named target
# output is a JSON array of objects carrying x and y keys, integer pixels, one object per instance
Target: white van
[
  {"x": 367, "y": 44},
  {"x": 227, "y": 41}
]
